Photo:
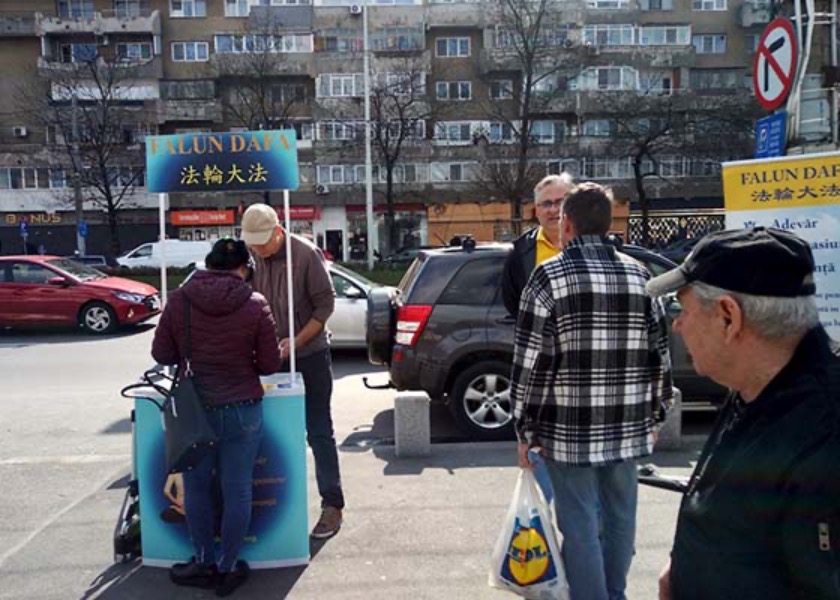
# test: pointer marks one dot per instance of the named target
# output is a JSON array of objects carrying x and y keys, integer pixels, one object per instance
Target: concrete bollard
[
  {"x": 670, "y": 436},
  {"x": 412, "y": 427}
]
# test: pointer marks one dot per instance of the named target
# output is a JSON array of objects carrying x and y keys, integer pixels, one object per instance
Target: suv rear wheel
[{"x": 480, "y": 401}]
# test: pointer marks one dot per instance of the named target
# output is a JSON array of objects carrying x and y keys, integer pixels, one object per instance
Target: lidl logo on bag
[{"x": 529, "y": 559}]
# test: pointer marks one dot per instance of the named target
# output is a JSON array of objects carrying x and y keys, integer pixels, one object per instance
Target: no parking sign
[{"x": 775, "y": 64}]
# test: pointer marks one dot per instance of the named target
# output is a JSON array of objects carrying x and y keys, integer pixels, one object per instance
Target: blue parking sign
[
  {"x": 770, "y": 135},
  {"x": 83, "y": 229},
  {"x": 24, "y": 229}
]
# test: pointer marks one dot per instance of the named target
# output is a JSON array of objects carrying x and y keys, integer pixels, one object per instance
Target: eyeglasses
[{"x": 549, "y": 204}]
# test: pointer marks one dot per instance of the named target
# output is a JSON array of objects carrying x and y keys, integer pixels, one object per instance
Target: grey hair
[
  {"x": 770, "y": 316},
  {"x": 562, "y": 179}
]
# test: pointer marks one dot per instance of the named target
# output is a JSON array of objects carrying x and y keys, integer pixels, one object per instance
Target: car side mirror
[
  {"x": 59, "y": 281},
  {"x": 354, "y": 293}
]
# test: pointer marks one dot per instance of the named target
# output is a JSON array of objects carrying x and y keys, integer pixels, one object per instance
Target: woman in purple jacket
[{"x": 233, "y": 342}]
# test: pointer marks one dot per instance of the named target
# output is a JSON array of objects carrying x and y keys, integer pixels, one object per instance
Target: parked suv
[{"x": 445, "y": 331}]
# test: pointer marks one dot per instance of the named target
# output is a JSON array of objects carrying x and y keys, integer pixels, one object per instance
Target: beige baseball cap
[{"x": 258, "y": 223}]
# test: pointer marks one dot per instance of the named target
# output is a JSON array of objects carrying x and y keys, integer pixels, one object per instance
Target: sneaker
[
  {"x": 329, "y": 523},
  {"x": 228, "y": 582},
  {"x": 193, "y": 574}
]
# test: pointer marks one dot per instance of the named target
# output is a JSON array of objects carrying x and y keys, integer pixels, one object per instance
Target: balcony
[
  {"x": 287, "y": 63},
  {"x": 754, "y": 12},
  {"x": 23, "y": 26},
  {"x": 188, "y": 110},
  {"x": 656, "y": 57},
  {"x": 460, "y": 15},
  {"x": 100, "y": 23},
  {"x": 129, "y": 71}
]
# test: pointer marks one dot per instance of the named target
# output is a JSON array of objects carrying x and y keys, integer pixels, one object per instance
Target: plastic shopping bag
[{"x": 526, "y": 559}]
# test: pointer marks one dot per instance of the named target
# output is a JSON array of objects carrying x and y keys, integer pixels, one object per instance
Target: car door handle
[{"x": 508, "y": 320}]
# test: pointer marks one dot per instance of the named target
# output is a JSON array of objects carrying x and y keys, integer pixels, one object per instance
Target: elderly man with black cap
[{"x": 761, "y": 517}]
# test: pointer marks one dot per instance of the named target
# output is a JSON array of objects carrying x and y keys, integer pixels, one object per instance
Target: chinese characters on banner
[
  {"x": 800, "y": 194},
  {"x": 212, "y": 162}
]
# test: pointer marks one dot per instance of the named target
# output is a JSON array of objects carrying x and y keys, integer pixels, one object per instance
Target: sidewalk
[{"x": 418, "y": 529}]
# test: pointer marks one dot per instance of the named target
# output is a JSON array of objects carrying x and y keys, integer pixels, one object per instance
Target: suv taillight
[{"x": 411, "y": 320}]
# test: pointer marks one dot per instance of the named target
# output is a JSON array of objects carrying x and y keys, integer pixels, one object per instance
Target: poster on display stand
[
  {"x": 800, "y": 194},
  {"x": 279, "y": 534}
]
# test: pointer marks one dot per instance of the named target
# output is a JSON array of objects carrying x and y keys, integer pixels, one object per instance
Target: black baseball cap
[{"x": 761, "y": 261}]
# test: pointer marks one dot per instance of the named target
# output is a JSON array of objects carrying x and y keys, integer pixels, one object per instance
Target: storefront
[
  {"x": 411, "y": 228},
  {"x": 200, "y": 225}
]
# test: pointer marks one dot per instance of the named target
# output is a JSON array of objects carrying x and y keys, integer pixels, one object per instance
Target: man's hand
[
  {"x": 284, "y": 348},
  {"x": 522, "y": 452},
  {"x": 173, "y": 489},
  {"x": 665, "y": 583}
]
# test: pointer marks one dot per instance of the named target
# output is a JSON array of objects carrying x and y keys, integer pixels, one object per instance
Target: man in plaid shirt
[{"x": 591, "y": 378}]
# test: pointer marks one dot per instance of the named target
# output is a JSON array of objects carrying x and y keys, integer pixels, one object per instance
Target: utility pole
[{"x": 77, "y": 183}]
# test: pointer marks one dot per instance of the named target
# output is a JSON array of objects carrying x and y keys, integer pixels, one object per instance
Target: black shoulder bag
[{"x": 188, "y": 433}]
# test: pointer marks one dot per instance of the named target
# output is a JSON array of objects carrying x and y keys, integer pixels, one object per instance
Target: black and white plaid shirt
[{"x": 591, "y": 367}]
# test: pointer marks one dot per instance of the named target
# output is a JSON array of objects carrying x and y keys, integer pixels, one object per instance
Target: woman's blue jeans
[
  {"x": 240, "y": 430},
  {"x": 596, "y": 513}
]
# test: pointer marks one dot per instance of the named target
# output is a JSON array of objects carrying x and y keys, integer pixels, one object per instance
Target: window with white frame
[
  {"x": 544, "y": 132},
  {"x": 502, "y": 133},
  {"x": 708, "y": 4},
  {"x": 665, "y": 35},
  {"x": 556, "y": 167},
  {"x": 715, "y": 79},
  {"x": 304, "y": 130},
  {"x": 657, "y": 4},
  {"x": 450, "y": 47},
  {"x": 255, "y": 43},
  {"x": 339, "y": 40},
  {"x": 336, "y": 174},
  {"x": 597, "y": 128},
  {"x": 656, "y": 82},
  {"x": 710, "y": 44},
  {"x": 408, "y": 129},
  {"x": 31, "y": 178},
  {"x": 237, "y": 8},
  {"x": 334, "y": 131},
  {"x": 190, "y": 51},
  {"x": 501, "y": 89},
  {"x": 607, "y": 79},
  {"x": 133, "y": 51},
  {"x": 126, "y": 9},
  {"x": 187, "y": 8},
  {"x": 606, "y": 4},
  {"x": 454, "y": 172},
  {"x": 453, "y": 90},
  {"x": 76, "y": 53},
  {"x": 544, "y": 83},
  {"x": 607, "y": 168},
  {"x": 397, "y": 39},
  {"x": 609, "y": 35},
  {"x": 76, "y": 9},
  {"x": 454, "y": 132},
  {"x": 402, "y": 83},
  {"x": 340, "y": 85}
]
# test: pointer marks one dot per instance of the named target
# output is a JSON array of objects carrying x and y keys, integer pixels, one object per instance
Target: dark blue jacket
[{"x": 518, "y": 267}]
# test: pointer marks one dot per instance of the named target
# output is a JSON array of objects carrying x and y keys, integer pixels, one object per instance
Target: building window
[
  {"x": 245, "y": 44},
  {"x": 133, "y": 51},
  {"x": 543, "y": 132},
  {"x": 607, "y": 79},
  {"x": 657, "y": 4},
  {"x": 190, "y": 51},
  {"x": 751, "y": 42},
  {"x": 715, "y": 79},
  {"x": 606, "y": 4},
  {"x": 452, "y": 47},
  {"x": 501, "y": 89},
  {"x": 237, "y": 8},
  {"x": 397, "y": 39},
  {"x": 665, "y": 35},
  {"x": 609, "y": 35},
  {"x": 77, "y": 53},
  {"x": 453, "y": 90},
  {"x": 340, "y": 85},
  {"x": 708, "y": 4},
  {"x": 288, "y": 93},
  {"x": 454, "y": 172},
  {"x": 187, "y": 8},
  {"x": 501, "y": 133},
  {"x": 401, "y": 84},
  {"x": 125, "y": 9},
  {"x": 339, "y": 40},
  {"x": 453, "y": 132},
  {"x": 75, "y": 9},
  {"x": 710, "y": 44},
  {"x": 596, "y": 128},
  {"x": 336, "y": 131}
]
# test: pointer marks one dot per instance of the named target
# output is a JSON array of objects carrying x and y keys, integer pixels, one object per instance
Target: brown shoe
[{"x": 329, "y": 523}]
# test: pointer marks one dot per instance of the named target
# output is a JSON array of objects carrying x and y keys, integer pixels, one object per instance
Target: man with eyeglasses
[{"x": 538, "y": 244}]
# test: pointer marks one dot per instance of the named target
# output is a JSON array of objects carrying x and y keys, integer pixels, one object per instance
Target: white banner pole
[
  {"x": 289, "y": 283},
  {"x": 163, "y": 200}
]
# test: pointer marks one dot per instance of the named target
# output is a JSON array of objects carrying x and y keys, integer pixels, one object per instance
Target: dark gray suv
[{"x": 445, "y": 331}]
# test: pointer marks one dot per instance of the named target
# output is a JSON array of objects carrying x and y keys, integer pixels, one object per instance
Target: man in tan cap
[{"x": 314, "y": 301}]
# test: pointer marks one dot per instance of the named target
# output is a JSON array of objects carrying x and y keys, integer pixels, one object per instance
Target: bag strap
[{"x": 188, "y": 344}]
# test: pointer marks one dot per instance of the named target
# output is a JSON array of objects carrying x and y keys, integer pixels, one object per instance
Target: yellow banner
[{"x": 784, "y": 182}]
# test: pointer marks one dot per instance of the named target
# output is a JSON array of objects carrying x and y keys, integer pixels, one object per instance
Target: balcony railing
[
  {"x": 100, "y": 22},
  {"x": 17, "y": 26}
]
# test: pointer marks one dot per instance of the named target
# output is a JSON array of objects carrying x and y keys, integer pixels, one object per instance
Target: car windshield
[
  {"x": 78, "y": 270},
  {"x": 353, "y": 275}
]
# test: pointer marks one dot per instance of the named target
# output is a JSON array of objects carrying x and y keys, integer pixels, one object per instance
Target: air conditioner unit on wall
[
  {"x": 321, "y": 189},
  {"x": 20, "y": 131},
  {"x": 356, "y": 9}
]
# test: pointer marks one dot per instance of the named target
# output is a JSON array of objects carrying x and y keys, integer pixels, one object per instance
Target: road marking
[
  {"x": 80, "y": 459},
  {"x": 43, "y": 526}
]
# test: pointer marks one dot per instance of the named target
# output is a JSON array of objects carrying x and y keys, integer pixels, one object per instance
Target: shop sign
[
  {"x": 213, "y": 162},
  {"x": 202, "y": 217},
  {"x": 300, "y": 213},
  {"x": 15, "y": 219}
]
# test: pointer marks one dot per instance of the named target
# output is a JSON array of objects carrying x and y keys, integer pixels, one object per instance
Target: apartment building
[{"x": 451, "y": 70}]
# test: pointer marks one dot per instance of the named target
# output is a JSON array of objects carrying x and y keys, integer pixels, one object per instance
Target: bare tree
[
  {"x": 94, "y": 124},
  {"x": 529, "y": 40},
  {"x": 650, "y": 127}
]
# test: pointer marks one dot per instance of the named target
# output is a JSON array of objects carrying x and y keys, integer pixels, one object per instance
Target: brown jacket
[{"x": 314, "y": 294}]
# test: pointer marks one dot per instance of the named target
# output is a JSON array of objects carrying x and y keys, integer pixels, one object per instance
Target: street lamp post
[{"x": 371, "y": 237}]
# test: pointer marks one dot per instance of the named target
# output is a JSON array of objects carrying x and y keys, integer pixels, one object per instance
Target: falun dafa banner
[
  {"x": 801, "y": 194},
  {"x": 215, "y": 162}
]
